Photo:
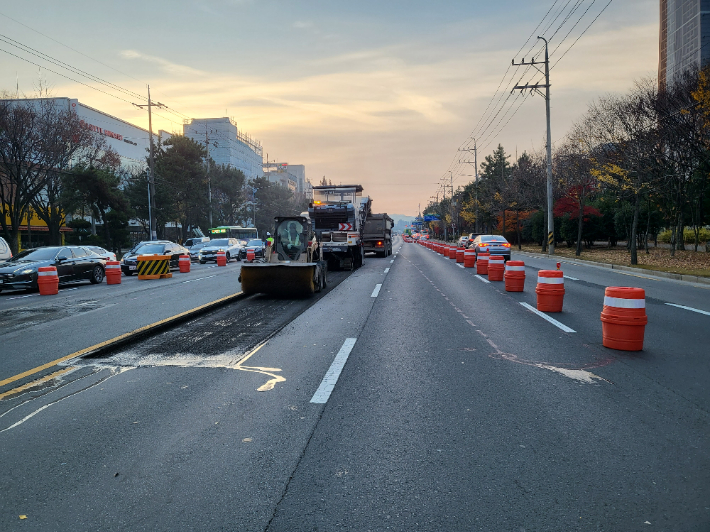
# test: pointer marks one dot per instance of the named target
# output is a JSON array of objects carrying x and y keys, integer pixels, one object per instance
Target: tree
[
  {"x": 227, "y": 194},
  {"x": 272, "y": 199},
  {"x": 38, "y": 140},
  {"x": 98, "y": 190}
]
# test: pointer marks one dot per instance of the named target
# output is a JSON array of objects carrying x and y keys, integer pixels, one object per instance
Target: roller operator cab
[
  {"x": 292, "y": 267},
  {"x": 338, "y": 214}
]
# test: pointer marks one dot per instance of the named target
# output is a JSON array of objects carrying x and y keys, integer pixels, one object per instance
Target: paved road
[{"x": 456, "y": 409}]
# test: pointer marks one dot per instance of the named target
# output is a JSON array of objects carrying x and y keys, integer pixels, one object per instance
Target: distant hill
[{"x": 400, "y": 220}]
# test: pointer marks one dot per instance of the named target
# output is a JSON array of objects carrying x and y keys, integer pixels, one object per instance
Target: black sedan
[
  {"x": 73, "y": 263},
  {"x": 255, "y": 245},
  {"x": 129, "y": 262}
]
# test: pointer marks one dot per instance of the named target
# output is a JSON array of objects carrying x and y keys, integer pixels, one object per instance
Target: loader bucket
[{"x": 280, "y": 280}]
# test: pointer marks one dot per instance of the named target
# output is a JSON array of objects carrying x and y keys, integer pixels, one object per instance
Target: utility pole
[
  {"x": 151, "y": 164},
  {"x": 475, "y": 164},
  {"x": 536, "y": 87}
]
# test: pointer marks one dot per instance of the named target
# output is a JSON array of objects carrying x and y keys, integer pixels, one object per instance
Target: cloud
[
  {"x": 303, "y": 25},
  {"x": 166, "y": 66}
]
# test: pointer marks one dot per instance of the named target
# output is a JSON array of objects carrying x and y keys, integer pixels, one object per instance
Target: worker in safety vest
[{"x": 269, "y": 240}]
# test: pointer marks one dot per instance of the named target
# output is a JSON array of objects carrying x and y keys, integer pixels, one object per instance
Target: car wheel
[
  {"x": 229, "y": 257},
  {"x": 97, "y": 275},
  {"x": 203, "y": 262}
]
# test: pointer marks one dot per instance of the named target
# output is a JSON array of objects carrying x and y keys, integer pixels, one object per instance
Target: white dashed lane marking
[
  {"x": 548, "y": 318},
  {"x": 331, "y": 377},
  {"x": 386, "y": 270},
  {"x": 482, "y": 279},
  {"x": 689, "y": 308},
  {"x": 376, "y": 291}
]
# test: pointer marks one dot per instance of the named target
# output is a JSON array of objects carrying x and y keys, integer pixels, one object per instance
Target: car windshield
[
  {"x": 147, "y": 249},
  {"x": 36, "y": 254},
  {"x": 199, "y": 245},
  {"x": 255, "y": 243},
  {"x": 219, "y": 242}
]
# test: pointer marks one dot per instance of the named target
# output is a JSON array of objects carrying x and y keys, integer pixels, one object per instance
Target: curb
[
  {"x": 649, "y": 273},
  {"x": 118, "y": 341}
]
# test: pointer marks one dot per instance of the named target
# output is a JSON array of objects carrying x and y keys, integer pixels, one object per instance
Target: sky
[{"x": 381, "y": 93}]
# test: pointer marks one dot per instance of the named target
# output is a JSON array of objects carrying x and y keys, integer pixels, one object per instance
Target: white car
[
  {"x": 101, "y": 252},
  {"x": 230, "y": 246},
  {"x": 5, "y": 252}
]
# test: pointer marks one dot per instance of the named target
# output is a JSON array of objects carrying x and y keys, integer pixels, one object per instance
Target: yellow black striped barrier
[{"x": 154, "y": 267}]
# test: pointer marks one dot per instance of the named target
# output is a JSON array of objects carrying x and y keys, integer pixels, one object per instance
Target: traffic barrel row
[{"x": 623, "y": 317}]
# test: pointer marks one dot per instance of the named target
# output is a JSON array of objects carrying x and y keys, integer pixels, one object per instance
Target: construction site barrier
[
  {"x": 184, "y": 263},
  {"x": 250, "y": 255},
  {"x": 624, "y": 318},
  {"x": 514, "y": 276},
  {"x": 452, "y": 252},
  {"x": 469, "y": 258},
  {"x": 496, "y": 267},
  {"x": 113, "y": 272},
  {"x": 221, "y": 258},
  {"x": 482, "y": 264},
  {"x": 550, "y": 290},
  {"x": 153, "y": 267},
  {"x": 459, "y": 255},
  {"x": 47, "y": 281}
]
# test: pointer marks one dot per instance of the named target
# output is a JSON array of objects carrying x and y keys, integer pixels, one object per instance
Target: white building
[
  {"x": 226, "y": 144},
  {"x": 285, "y": 171}
]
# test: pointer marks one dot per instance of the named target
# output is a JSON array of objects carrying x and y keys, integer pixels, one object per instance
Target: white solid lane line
[
  {"x": 482, "y": 279},
  {"x": 376, "y": 291},
  {"x": 548, "y": 318},
  {"x": 570, "y": 278},
  {"x": 331, "y": 377},
  {"x": 199, "y": 279},
  {"x": 459, "y": 265},
  {"x": 690, "y": 309},
  {"x": 386, "y": 270}
]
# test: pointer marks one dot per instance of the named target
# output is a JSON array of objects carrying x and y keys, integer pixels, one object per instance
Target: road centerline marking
[
  {"x": 387, "y": 270},
  {"x": 482, "y": 279},
  {"x": 570, "y": 278},
  {"x": 331, "y": 377},
  {"x": 689, "y": 308},
  {"x": 376, "y": 291},
  {"x": 553, "y": 321}
]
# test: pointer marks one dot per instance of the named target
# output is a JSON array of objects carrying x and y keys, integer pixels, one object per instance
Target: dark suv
[
  {"x": 129, "y": 262},
  {"x": 258, "y": 246}
]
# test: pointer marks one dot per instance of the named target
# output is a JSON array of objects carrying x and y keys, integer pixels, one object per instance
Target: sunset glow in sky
[{"x": 377, "y": 93}]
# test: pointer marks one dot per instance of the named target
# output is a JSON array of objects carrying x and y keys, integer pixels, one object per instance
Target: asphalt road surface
[{"x": 411, "y": 396}]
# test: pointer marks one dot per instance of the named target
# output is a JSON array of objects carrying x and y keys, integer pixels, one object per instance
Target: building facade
[
  {"x": 684, "y": 39},
  {"x": 285, "y": 171},
  {"x": 227, "y": 145}
]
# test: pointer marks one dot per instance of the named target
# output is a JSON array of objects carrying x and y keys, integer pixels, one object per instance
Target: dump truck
[
  {"x": 377, "y": 235},
  {"x": 338, "y": 214},
  {"x": 292, "y": 266}
]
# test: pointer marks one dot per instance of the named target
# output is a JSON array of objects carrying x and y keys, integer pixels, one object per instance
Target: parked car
[
  {"x": 5, "y": 251},
  {"x": 101, "y": 252},
  {"x": 463, "y": 242},
  {"x": 195, "y": 240},
  {"x": 129, "y": 262},
  {"x": 471, "y": 238},
  {"x": 231, "y": 246},
  {"x": 256, "y": 245},
  {"x": 493, "y": 244},
  {"x": 195, "y": 250},
  {"x": 73, "y": 263}
]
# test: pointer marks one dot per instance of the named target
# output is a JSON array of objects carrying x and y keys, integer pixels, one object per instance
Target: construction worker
[{"x": 269, "y": 240}]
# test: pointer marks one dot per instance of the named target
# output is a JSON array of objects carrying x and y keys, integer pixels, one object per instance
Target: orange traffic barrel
[
  {"x": 624, "y": 318},
  {"x": 113, "y": 272},
  {"x": 184, "y": 263},
  {"x": 459, "y": 255},
  {"x": 482, "y": 263},
  {"x": 250, "y": 255},
  {"x": 550, "y": 290},
  {"x": 514, "y": 276},
  {"x": 496, "y": 267},
  {"x": 452, "y": 252},
  {"x": 469, "y": 258},
  {"x": 221, "y": 258},
  {"x": 47, "y": 280}
]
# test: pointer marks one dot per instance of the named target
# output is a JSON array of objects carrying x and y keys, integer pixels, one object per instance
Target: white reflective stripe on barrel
[
  {"x": 551, "y": 280},
  {"x": 514, "y": 268},
  {"x": 113, "y": 266},
  {"x": 49, "y": 274},
  {"x": 620, "y": 302},
  {"x": 483, "y": 259},
  {"x": 184, "y": 259}
]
